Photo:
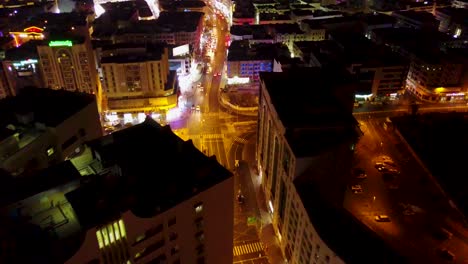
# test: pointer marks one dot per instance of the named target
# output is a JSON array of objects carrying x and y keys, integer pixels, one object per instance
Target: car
[
  {"x": 356, "y": 188},
  {"x": 379, "y": 165},
  {"x": 359, "y": 173},
  {"x": 390, "y": 163},
  {"x": 446, "y": 254},
  {"x": 382, "y": 218},
  {"x": 393, "y": 186},
  {"x": 197, "y": 108},
  {"x": 442, "y": 234}
]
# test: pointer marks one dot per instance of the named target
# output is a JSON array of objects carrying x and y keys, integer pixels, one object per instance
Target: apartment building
[
  {"x": 124, "y": 206},
  {"x": 173, "y": 28},
  {"x": 304, "y": 151},
  {"x": 247, "y": 60},
  {"x": 416, "y": 20},
  {"x": 137, "y": 78},
  {"x": 437, "y": 76},
  {"x": 68, "y": 64},
  {"x": 41, "y": 127}
]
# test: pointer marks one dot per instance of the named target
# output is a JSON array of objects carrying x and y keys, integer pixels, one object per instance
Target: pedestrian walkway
[{"x": 247, "y": 248}]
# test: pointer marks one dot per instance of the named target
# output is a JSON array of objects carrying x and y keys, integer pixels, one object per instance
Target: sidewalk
[{"x": 266, "y": 232}]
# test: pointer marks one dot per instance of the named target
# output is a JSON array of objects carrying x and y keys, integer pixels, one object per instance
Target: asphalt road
[
  {"x": 411, "y": 234},
  {"x": 219, "y": 132}
]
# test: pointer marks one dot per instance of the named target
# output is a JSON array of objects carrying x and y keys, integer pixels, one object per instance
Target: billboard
[{"x": 181, "y": 50}]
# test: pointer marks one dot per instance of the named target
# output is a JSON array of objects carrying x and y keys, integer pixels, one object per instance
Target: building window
[
  {"x": 149, "y": 233},
  {"x": 173, "y": 236},
  {"x": 200, "y": 249},
  {"x": 174, "y": 250},
  {"x": 198, "y": 207},
  {"x": 155, "y": 246},
  {"x": 110, "y": 234},
  {"x": 171, "y": 221},
  {"x": 200, "y": 236},
  {"x": 199, "y": 223}
]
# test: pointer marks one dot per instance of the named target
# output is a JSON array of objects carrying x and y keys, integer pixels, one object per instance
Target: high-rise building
[
  {"x": 68, "y": 64},
  {"x": 40, "y": 127},
  {"x": 304, "y": 150},
  {"x": 174, "y": 205}
]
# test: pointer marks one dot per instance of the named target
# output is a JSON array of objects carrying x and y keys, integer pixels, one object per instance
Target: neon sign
[
  {"x": 61, "y": 43},
  {"x": 33, "y": 29}
]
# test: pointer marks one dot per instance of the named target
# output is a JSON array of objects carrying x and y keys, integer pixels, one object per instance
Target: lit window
[
  {"x": 198, "y": 208},
  {"x": 110, "y": 233},
  {"x": 50, "y": 151}
]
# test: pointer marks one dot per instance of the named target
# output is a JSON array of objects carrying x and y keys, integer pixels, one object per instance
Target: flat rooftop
[
  {"x": 43, "y": 103},
  {"x": 147, "y": 185},
  {"x": 244, "y": 51},
  {"x": 156, "y": 182},
  {"x": 359, "y": 49},
  {"x": 321, "y": 103}
]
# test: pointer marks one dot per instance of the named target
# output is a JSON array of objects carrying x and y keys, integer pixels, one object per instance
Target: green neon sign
[{"x": 61, "y": 43}]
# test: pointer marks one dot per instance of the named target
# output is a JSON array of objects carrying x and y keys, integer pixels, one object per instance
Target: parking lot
[{"x": 392, "y": 195}]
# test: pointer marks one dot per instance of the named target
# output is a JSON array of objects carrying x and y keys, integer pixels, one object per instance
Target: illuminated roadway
[
  {"x": 412, "y": 234},
  {"x": 217, "y": 132}
]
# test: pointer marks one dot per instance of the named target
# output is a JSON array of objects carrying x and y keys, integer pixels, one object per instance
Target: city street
[{"x": 416, "y": 207}]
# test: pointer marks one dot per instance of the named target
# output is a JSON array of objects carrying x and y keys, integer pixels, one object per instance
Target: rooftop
[
  {"x": 421, "y": 16},
  {"x": 378, "y": 19},
  {"x": 359, "y": 49},
  {"x": 243, "y": 50},
  {"x": 153, "y": 186},
  {"x": 286, "y": 28},
  {"x": 322, "y": 103},
  {"x": 148, "y": 185},
  {"x": 43, "y": 103},
  {"x": 274, "y": 17},
  {"x": 26, "y": 51}
]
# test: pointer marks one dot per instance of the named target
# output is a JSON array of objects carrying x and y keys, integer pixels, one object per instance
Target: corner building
[
  {"x": 305, "y": 145},
  {"x": 68, "y": 64}
]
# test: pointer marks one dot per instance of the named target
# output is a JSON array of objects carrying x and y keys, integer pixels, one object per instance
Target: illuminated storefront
[{"x": 27, "y": 34}]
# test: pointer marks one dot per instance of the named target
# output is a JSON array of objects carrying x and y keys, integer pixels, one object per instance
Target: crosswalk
[
  {"x": 240, "y": 140},
  {"x": 211, "y": 136},
  {"x": 247, "y": 248}
]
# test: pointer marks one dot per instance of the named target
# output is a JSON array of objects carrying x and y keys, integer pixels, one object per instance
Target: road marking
[
  {"x": 211, "y": 136},
  {"x": 247, "y": 248},
  {"x": 240, "y": 140}
]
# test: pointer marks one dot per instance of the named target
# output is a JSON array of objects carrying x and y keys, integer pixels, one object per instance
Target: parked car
[
  {"x": 356, "y": 189},
  {"x": 446, "y": 254},
  {"x": 360, "y": 173},
  {"x": 442, "y": 234},
  {"x": 382, "y": 218}
]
